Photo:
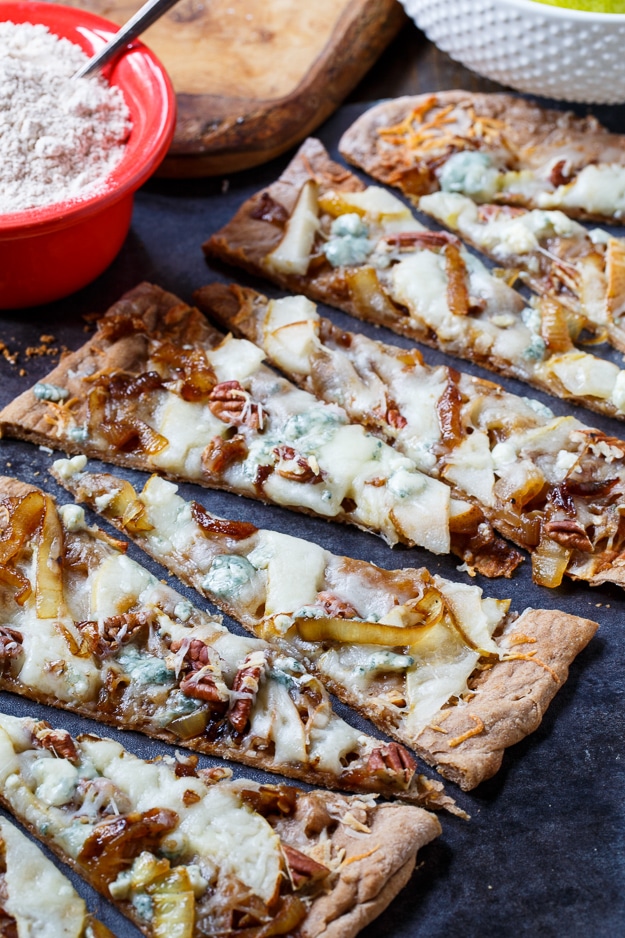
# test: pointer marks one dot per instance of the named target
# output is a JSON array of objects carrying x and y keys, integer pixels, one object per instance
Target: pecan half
[
  {"x": 232, "y": 404},
  {"x": 220, "y": 454},
  {"x": 296, "y": 467},
  {"x": 59, "y": 742},
  {"x": 204, "y": 685},
  {"x": 302, "y": 869},
  {"x": 114, "y": 632},
  {"x": 569, "y": 533},
  {"x": 195, "y": 656},
  {"x": 394, "y": 761},
  {"x": 246, "y": 683},
  {"x": 335, "y": 607},
  {"x": 10, "y": 642},
  {"x": 203, "y": 680}
]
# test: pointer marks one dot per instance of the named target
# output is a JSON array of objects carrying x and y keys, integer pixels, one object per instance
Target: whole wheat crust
[
  {"x": 465, "y": 742},
  {"x": 247, "y": 238},
  {"x": 533, "y": 135},
  {"x": 372, "y": 873}
]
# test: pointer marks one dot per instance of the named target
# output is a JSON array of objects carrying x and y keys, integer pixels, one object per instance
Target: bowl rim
[
  {"x": 583, "y": 16},
  {"x": 42, "y": 219}
]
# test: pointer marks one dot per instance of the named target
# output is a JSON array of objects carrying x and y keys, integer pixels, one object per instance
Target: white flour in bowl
[{"x": 59, "y": 138}]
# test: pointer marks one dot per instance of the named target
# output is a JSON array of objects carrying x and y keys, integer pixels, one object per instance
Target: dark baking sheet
[{"x": 543, "y": 853}]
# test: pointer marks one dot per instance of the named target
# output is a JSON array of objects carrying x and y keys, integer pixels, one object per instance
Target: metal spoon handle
[{"x": 144, "y": 17}]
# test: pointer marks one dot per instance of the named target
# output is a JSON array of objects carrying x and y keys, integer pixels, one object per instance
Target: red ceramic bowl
[{"x": 47, "y": 253}]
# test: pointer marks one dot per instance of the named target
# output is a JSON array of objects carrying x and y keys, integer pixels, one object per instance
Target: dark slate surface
[{"x": 543, "y": 853}]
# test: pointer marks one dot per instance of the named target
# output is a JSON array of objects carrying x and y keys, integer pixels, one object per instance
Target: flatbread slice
[
  {"x": 85, "y": 628},
  {"x": 493, "y": 148},
  {"x": 444, "y": 670},
  {"x": 160, "y": 389},
  {"x": 36, "y": 898},
  {"x": 318, "y": 230},
  {"x": 182, "y": 855},
  {"x": 551, "y": 484},
  {"x": 580, "y": 269}
]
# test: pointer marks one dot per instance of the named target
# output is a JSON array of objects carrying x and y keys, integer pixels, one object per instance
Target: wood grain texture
[{"x": 254, "y": 78}]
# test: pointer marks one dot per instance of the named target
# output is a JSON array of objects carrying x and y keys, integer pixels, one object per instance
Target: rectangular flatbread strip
[
  {"x": 158, "y": 388},
  {"x": 553, "y": 485},
  {"x": 493, "y": 148},
  {"x": 434, "y": 663},
  {"x": 581, "y": 270},
  {"x": 180, "y": 854},
  {"x": 318, "y": 230},
  {"x": 92, "y": 631},
  {"x": 37, "y": 899}
]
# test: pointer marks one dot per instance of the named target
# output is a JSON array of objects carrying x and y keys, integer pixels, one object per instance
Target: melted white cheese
[
  {"x": 40, "y": 899},
  {"x": 218, "y": 826}
]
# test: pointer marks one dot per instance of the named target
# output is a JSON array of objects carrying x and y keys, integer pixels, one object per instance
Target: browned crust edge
[
  {"x": 233, "y": 308},
  {"x": 25, "y": 418},
  {"x": 368, "y": 880},
  {"x": 510, "y": 697},
  {"x": 433, "y": 797},
  {"x": 245, "y": 241},
  {"x": 527, "y": 127},
  {"x": 372, "y": 876}
]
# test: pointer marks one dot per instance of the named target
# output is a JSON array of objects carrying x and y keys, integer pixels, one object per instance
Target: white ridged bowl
[{"x": 565, "y": 54}]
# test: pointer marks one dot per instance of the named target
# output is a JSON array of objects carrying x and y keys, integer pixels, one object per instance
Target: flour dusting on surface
[{"x": 59, "y": 139}]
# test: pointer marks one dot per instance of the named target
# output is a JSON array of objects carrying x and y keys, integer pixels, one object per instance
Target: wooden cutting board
[{"x": 254, "y": 77}]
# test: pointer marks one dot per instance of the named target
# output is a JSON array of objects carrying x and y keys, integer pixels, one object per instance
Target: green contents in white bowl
[{"x": 589, "y": 6}]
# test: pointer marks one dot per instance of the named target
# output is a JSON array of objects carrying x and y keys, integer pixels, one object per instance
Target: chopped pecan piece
[
  {"x": 560, "y": 173},
  {"x": 56, "y": 741},
  {"x": 220, "y": 454},
  {"x": 392, "y": 760},
  {"x": 569, "y": 533},
  {"x": 302, "y": 869},
  {"x": 211, "y": 776},
  {"x": 186, "y": 766},
  {"x": 335, "y": 607},
  {"x": 296, "y": 467},
  {"x": 245, "y": 686},
  {"x": 10, "y": 642},
  {"x": 393, "y": 416},
  {"x": 232, "y": 404},
  {"x": 237, "y": 530}
]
